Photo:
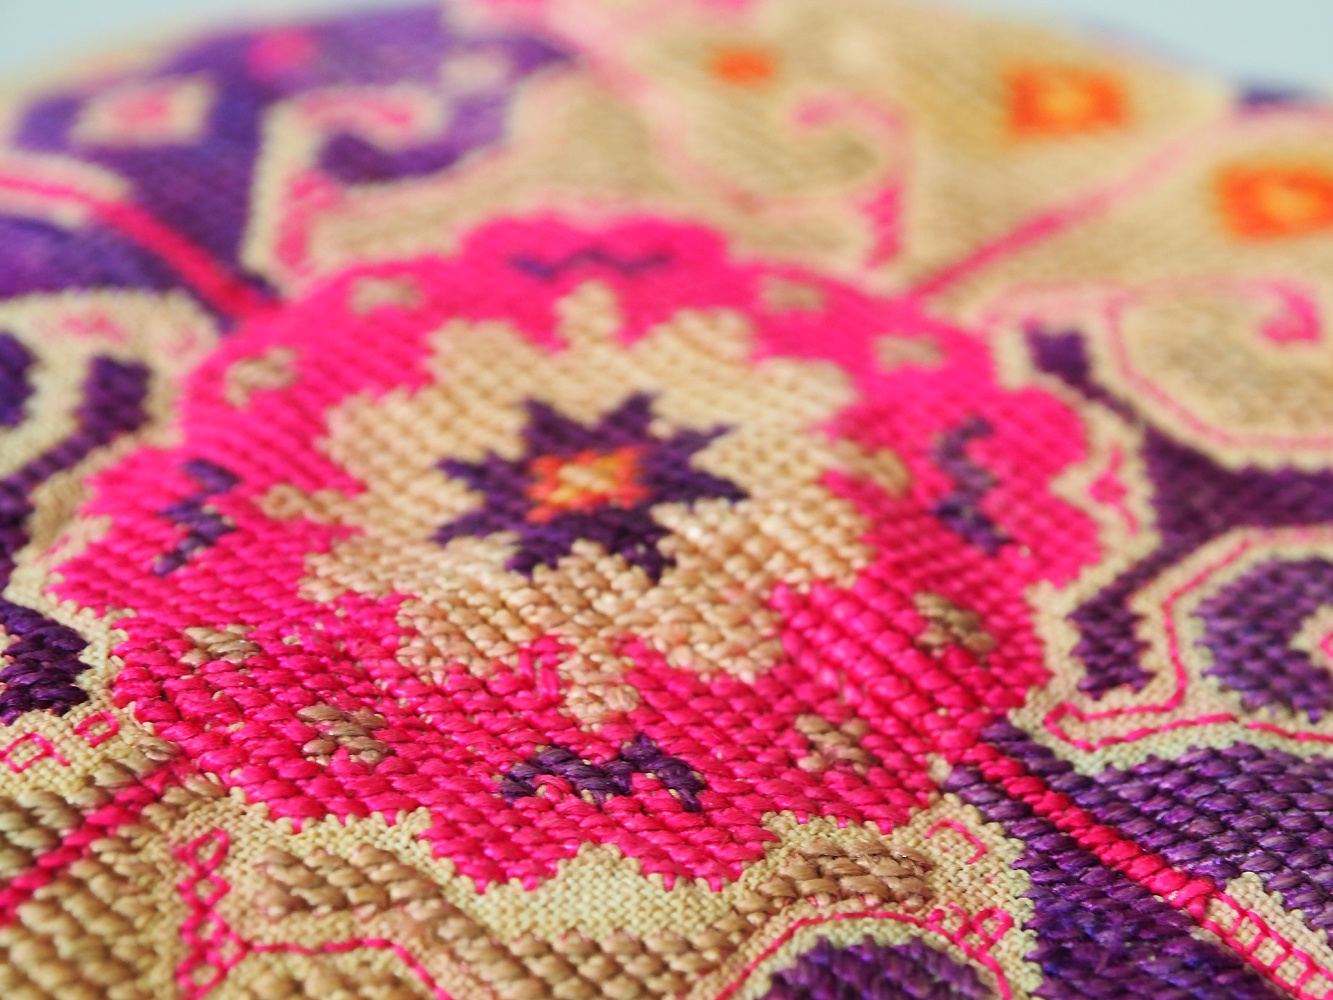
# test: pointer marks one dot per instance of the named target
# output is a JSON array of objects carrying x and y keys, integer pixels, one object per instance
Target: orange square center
[
  {"x": 589, "y": 480},
  {"x": 1064, "y": 101}
]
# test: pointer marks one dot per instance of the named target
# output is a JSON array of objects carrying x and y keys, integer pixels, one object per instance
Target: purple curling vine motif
[
  {"x": 1250, "y": 627},
  {"x": 15, "y": 389},
  {"x": 880, "y": 972},
  {"x": 597, "y": 483},
  {"x": 1100, "y": 934},
  {"x": 38, "y": 256},
  {"x": 44, "y": 659},
  {"x": 1213, "y": 812},
  {"x": 1194, "y": 499},
  {"x": 200, "y": 182}
]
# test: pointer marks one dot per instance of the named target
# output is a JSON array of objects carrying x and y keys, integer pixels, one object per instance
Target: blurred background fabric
[{"x": 1278, "y": 43}]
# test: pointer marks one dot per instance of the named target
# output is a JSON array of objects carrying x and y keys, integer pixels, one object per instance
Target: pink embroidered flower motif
[{"x": 587, "y": 537}]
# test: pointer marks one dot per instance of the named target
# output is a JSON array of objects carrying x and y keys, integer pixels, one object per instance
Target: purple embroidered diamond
[{"x": 597, "y": 483}]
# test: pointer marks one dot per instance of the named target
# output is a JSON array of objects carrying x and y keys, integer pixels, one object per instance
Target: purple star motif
[{"x": 598, "y": 483}]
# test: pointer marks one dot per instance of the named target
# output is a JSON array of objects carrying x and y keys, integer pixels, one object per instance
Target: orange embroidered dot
[
  {"x": 1271, "y": 202},
  {"x": 744, "y": 67},
  {"x": 589, "y": 480},
  {"x": 1054, "y": 100}
]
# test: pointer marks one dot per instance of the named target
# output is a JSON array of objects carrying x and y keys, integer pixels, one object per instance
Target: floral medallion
[{"x": 588, "y": 536}]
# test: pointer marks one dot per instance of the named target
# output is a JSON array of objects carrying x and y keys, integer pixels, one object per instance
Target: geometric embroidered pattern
[{"x": 710, "y": 500}]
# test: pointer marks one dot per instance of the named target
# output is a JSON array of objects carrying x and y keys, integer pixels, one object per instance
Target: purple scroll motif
[
  {"x": 1216, "y": 813},
  {"x": 1194, "y": 501},
  {"x": 648, "y": 470},
  {"x": 38, "y": 256},
  {"x": 478, "y": 117},
  {"x": 1099, "y": 934},
  {"x": 601, "y": 781},
  {"x": 201, "y": 187},
  {"x": 44, "y": 660},
  {"x": 960, "y": 511},
  {"x": 1249, "y": 628},
  {"x": 1242, "y": 809},
  {"x": 870, "y": 971},
  {"x": 15, "y": 389}
]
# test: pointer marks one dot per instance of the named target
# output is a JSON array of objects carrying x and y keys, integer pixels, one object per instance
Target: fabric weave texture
[{"x": 644, "y": 499}]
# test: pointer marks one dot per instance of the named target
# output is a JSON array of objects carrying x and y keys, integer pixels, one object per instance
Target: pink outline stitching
[
  {"x": 220, "y": 948},
  {"x": 1109, "y": 489},
  {"x": 196, "y": 267},
  {"x": 967, "y": 834},
  {"x": 934, "y": 924},
  {"x": 47, "y": 751},
  {"x": 1189, "y": 894},
  {"x": 1182, "y": 681},
  {"x": 1114, "y": 314},
  {"x": 97, "y": 739},
  {"x": 974, "y": 935},
  {"x": 1286, "y": 952}
]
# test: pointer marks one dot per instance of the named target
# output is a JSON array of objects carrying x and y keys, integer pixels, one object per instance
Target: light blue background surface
[{"x": 1282, "y": 42}]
